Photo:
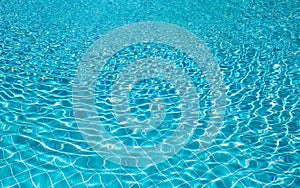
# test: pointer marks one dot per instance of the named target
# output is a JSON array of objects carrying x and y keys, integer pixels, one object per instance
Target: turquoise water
[{"x": 255, "y": 43}]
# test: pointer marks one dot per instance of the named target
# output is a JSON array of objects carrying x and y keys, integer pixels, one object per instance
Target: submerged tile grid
[{"x": 257, "y": 45}]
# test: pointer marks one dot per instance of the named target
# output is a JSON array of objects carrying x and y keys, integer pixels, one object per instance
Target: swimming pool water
[{"x": 255, "y": 43}]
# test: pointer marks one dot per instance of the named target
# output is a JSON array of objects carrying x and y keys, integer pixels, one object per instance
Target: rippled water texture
[{"x": 256, "y": 44}]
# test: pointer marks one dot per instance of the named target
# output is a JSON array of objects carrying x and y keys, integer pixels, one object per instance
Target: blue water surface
[{"x": 257, "y": 46}]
